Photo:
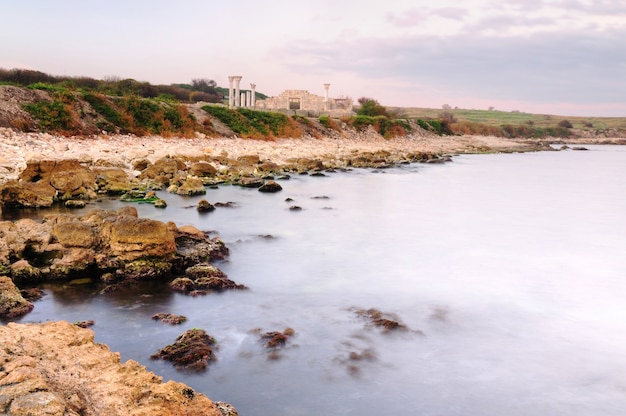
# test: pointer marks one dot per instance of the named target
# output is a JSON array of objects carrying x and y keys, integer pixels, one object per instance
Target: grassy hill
[{"x": 500, "y": 118}]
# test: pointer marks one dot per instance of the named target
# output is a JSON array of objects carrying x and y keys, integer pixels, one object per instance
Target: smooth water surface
[{"x": 509, "y": 270}]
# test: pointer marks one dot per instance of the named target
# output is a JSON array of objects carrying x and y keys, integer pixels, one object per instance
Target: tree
[
  {"x": 371, "y": 107},
  {"x": 204, "y": 85}
]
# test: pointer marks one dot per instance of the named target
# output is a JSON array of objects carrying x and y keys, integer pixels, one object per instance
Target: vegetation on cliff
[{"x": 82, "y": 106}]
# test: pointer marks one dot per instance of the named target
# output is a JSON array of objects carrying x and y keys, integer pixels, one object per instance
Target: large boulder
[
  {"x": 113, "y": 181},
  {"x": 44, "y": 182},
  {"x": 202, "y": 169},
  {"x": 56, "y": 368},
  {"x": 102, "y": 242}
]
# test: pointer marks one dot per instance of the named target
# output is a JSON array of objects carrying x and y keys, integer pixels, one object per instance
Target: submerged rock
[
  {"x": 205, "y": 206},
  {"x": 277, "y": 339},
  {"x": 270, "y": 187},
  {"x": 387, "y": 322},
  {"x": 193, "y": 350},
  {"x": 169, "y": 318}
]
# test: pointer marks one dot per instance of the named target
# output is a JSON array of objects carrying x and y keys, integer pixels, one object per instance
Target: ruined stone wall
[{"x": 302, "y": 100}]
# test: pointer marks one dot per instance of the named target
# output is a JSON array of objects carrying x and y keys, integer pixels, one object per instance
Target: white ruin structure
[
  {"x": 296, "y": 101},
  {"x": 302, "y": 101},
  {"x": 234, "y": 99}
]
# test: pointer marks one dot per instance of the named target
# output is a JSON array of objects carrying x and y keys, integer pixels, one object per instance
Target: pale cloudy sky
[{"x": 565, "y": 57}]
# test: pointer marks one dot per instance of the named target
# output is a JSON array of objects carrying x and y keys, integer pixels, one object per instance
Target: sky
[{"x": 561, "y": 57}]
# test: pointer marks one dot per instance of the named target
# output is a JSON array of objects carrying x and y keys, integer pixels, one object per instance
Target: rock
[
  {"x": 276, "y": 339},
  {"x": 169, "y": 318},
  {"x": 249, "y": 160},
  {"x": 163, "y": 167},
  {"x": 191, "y": 186},
  {"x": 112, "y": 181},
  {"x": 382, "y": 320},
  {"x": 56, "y": 368},
  {"x": 270, "y": 186},
  {"x": 205, "y": 206},
  {"x": 193, "y": 350},
  {"x": 579, "y": 148},
  {"x": 28, "y": 194},
  {"x": 226, "y": 409},
  {"x": 295, "y": 208},
  {"x": 202, "y": 169},
  {"x": 75, "y": 203},
  {"x": 102, "y": 242},
  {"x": 182, "y": 284},
  {"x": 247, "y": 182},
  {"x": 12, "y": 303},
  {"x": 160, "y": 203},
  {"x": 204, "y": 270}
]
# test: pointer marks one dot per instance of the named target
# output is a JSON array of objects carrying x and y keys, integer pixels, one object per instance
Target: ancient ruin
[{"x": 297, "y": 101}]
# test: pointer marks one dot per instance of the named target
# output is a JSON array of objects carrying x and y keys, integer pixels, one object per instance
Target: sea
[{"x": 507, "y": 273}]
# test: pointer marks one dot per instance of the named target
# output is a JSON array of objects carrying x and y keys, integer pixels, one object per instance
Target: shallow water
[{"x": 509, "y": 270}]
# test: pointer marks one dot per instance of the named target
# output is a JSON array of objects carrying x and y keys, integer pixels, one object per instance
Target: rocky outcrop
[
  {"x": 57, "y": 369},
  {"x": 45, "y": 182},
  {"x": 12, "y": 303},
  {"x": 103, "y": 242},
  {"x": 193, "y": 350}
]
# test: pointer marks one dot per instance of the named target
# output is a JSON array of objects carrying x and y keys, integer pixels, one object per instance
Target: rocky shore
[{"x": 55, "y": 368}]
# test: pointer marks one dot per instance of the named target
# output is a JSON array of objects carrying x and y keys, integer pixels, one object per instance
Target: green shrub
[
  {"x": 233, "y": 119},
  {"x": 52, "y": 115}
]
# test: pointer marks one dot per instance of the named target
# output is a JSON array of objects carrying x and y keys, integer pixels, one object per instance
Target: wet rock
[
  {"x": 85, "y": 324},
  {"x": 160, "y": 203},
  {"x": 202, "y": 279},
  {"x": 579, "y": 148},
  {"x": 28, "y": 194},
  {"x": 251, "y": 182},
  {"x": 169, "y": 318},
  {"x": 387, "y": 322},
  {"x": 112, "y": 181},
  {"x": 193, "y": 350},
  {"x": 270, "y": 187},
  {"x": 182, "y": 284},
  {"x": 295, "y": 208},
  {"x": 75, "y": 203},
  {"x": 191, "y": 186},
  {"x": 228, "y": 204},
  {"x": 12, "y": 303},
  {"x": 32, "y": 294},
  {"x": 277, "y": 339},
  {"x": 44, "y": 182},
  {"x": 205, "y": 206}
]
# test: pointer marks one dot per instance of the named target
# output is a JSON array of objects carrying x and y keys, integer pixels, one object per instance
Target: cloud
[{"x": 568, "y": 67}]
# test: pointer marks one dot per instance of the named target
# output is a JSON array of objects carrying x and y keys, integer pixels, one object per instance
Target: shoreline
[{"x": 17, "y": 149}]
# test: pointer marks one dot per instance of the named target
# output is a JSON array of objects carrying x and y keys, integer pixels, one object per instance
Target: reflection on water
[{"x": 508, "y": 269}]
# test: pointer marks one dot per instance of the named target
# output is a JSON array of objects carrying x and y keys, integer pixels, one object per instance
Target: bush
[
  {"x": 370, "y": 107},
  {"x": 565, "y": 124}
]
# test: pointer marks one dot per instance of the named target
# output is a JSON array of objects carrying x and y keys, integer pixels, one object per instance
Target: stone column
[
  {"x": 253, "y": 96},
  {"x": 248, "y": 99},
  {"x": 243, "y": 99},
  {"x": 326, "y": 86},
  {"x": 237, "y": 97},
  {"x": 231, "y": 96}
]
